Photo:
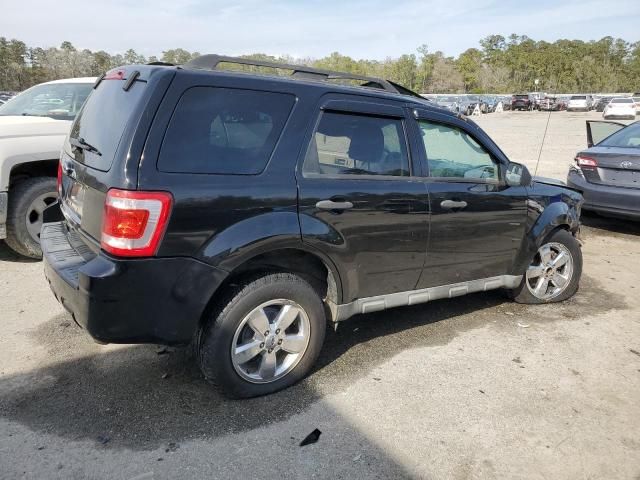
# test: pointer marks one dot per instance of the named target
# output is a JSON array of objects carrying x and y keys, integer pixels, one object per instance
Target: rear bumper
[
  {"x": 151, "y": 300},
  {"x": 4, "y": 208},
  {"x": 617, "y": 201}
]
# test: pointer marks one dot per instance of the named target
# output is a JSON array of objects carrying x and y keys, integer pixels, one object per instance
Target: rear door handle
[
  {"x": 331, "y": 205},
  {"x": 452, "y": 204}
]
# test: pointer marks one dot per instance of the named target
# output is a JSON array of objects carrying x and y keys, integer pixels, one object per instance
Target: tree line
[{"x": 498, "y": 65}]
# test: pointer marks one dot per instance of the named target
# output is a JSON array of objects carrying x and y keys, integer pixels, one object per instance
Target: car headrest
[{"x": 367, "y": 143}]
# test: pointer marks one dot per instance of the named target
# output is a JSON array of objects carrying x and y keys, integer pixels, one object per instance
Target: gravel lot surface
[{"x": 473, "y": 388}]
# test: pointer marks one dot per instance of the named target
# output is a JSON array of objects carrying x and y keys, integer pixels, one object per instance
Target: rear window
[
  {"x": 224, "y": 131},
  {"x": 622, "y": 100},
  {"x": 522, "y": 97},
  {"x": 578, "y": 97},
  {"x": 103, "y": 120}
]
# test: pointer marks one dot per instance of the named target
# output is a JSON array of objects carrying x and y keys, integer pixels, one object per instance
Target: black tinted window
[
  {"x": 224, "y": 130},
  {"x": 357, "y": 145}
]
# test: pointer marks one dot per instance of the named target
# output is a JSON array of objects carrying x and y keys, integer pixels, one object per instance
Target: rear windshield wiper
[{"x": 83, "y": 145}]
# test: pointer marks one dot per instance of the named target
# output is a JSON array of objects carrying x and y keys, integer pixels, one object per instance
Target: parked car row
[
  {"x": 611, "y": 106},
  {"x": 6, "y": 96},
  {"x": 466, "y": 104}
]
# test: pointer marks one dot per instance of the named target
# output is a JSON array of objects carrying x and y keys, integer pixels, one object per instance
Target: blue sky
[{"x": 313, "y": 28}]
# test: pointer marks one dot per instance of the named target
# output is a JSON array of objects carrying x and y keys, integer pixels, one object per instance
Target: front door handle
[
  {"x": 331, "y": 205},
  {"x": 452, "y": 204}
]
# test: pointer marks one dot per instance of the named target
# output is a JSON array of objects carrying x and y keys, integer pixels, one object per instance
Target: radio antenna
[{"x": 542, "y": 143}]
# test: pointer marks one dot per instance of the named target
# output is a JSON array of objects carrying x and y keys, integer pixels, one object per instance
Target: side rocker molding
[{"x": 414, "y": 297}]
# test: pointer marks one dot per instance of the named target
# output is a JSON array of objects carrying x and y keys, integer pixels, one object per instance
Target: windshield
[
  {"x": 627, "y": 137},
  {"x": 56, "y": 100}
]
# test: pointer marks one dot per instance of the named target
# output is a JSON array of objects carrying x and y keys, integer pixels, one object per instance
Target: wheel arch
[
  {"x": 556, "y": 216},
  {"x": 39, "y": 168},
  {"x": 299, "y": 259}
]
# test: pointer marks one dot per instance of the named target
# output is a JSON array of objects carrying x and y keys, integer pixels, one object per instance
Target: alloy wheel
[
  {"x": 270, "y": 341},
  {"x": 550, "y": 271}
]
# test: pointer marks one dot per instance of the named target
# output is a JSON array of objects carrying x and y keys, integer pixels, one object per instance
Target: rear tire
[
  {"x": 27, "y": 201},
  {"x": 555, "y": 278},
  {"x": 240, "y": 359}
]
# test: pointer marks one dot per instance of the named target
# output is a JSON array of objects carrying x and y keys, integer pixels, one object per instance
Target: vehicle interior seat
[{"x": 367, "y": 147}]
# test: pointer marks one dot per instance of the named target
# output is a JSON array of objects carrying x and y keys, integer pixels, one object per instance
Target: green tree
[
  {"x": 469, "y": 64},
  {"x": 177, "y": 56}
]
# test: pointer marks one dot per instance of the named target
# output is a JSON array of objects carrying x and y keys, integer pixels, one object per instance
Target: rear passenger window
[
  {"x": 224, "y": 131},
  {"x": 351, "y": 144}
]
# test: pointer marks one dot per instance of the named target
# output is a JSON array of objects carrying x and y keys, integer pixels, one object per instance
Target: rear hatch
[{"x": 105, "y": 143}]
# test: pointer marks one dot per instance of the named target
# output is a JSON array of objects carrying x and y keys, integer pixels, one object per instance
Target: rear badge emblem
[{"x": 626, "y": 164}]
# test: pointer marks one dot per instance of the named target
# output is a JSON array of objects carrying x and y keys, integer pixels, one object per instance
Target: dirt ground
[{"x": 473, "y": 388}]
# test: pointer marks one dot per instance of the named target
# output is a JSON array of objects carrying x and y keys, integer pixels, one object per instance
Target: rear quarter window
[{"x": 224, "y": 131}]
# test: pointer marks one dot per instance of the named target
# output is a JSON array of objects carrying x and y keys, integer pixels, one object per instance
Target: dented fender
[{"x": 549, "y": 208}]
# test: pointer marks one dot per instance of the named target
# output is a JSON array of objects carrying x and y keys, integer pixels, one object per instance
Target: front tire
[
  {"x": 265, "y": 335},
  {"x": 27, "y": 201},
  {"x": 554, "y": 272}
]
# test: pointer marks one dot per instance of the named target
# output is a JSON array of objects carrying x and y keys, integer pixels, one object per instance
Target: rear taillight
[
  {"x": 59, "y": 180},
  {"x": 134, "y": 222},
  {"x": 586, "y": 162}
]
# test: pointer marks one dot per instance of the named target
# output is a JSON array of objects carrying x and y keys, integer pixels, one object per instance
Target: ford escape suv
[{"x": 245, "y": 210}]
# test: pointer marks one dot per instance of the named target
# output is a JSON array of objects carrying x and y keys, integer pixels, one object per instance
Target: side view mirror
[{"x": 517, "y": 175}]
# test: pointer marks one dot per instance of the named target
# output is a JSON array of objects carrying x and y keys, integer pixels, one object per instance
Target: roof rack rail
[{"x": 211, "y": 62}]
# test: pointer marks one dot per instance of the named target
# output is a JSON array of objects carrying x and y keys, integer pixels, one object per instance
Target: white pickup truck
[{"x": 33, "y": 126}]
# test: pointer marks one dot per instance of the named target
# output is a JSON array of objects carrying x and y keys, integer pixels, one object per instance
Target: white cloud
[{"x": 363, "y": 29}]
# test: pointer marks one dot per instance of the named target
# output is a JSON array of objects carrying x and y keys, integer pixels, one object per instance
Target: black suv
[{"x": 243, "y": 210}]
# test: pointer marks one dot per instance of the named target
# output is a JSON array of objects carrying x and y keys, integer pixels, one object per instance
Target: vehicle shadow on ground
[
  {"x": 610, "y": 224},
  {"x": 142, "y": 397},
  {"x": 8, "y": 255}
]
